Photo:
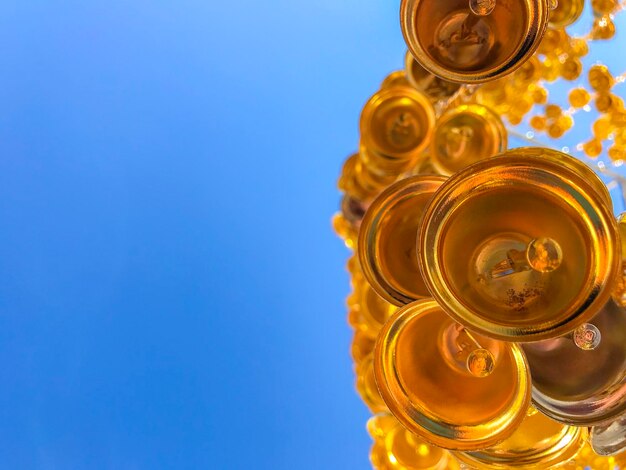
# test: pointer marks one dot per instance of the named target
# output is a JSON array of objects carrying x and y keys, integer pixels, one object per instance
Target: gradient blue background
[{"x": 171, "y": 292}]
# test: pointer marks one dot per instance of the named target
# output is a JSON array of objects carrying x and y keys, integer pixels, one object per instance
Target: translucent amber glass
[
  {"x": 396, "y": 448},
  {"x": 600, "y": 78},
  {"x": 369, "y": 310},
  {"x": 362, "y": 346},
  {"x": 450, "y": 41},
  {"x": 397, "y": 78},
  {"x": 465, "y": 135},
  {"x": 396, "y": 123},
  {"x": 566, "y": 12},
  {"x": 387, "y": 239},
  {"x": 538, "y": 443},
  {"x": 577, "y": 386},
  {"x": 434, "y": 87},
  {"x": 579, "y": 97},
  {"x": 366, "y": 385},
  {"x": 487, "y": 214},
  {"x": 619, "y": 292},
  {"x": 603, "y": 28},
  {"x": 587, "y": 459},
  {"x": 433, "y": 398}
]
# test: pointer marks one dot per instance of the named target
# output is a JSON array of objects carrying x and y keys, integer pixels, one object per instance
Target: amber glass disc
[
  {"x": 397, "y": 122},
  {"x": 464, "y": 135},
  {"x": 433, "y": 86},
  {"x": 538, "y": 443},
  {"x": 573, "y": 164},
  {"x": 498, "y": 206},
  {"x": 566, "y": 12},
  {"x": 388, "y": 235},
  {"x": 366, "y": 385},
  {"x": 577, "y": 386},
  {"x": 448, "y": 40},
  {"x": 396, "y": 448},
  {"x": 447, "y": 406},
  {"x": 394, "y": 79}
]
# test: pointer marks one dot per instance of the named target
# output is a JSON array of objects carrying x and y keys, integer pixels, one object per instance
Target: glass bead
[
  {"x": 617, "y": 153},
  {"x": 514, "y": 118},
  {"x": 620, "y": 140},
  {"x": 539, "y": 95},
  {"x": 602, "y": 128},
  {"x": 603, "y": 7},
  {"x": 603, "y": 28},
  {"x": 555, "y": 130},
  {"x": 552, "y": 42},
  {"x": 618, "y": 118},
  {"x": 604, "y": 102},
  {"x": 571, "y": 68},
  {"x": 579, "y": 97},
  {"x": 593, "y": 148},
  {"x": 600, "y": 78},
  {"x": 480, "y": 362},
  {"x": 529, "y": 72},
  {"x": 578, "y": 47},
  {"x": 538, "y": 122},
  {"x": 550, "y": 69},
  {"x": 482, "y": 7},
  {"x": 553, "y": 111},
  {"x": 521, "y": 106},
  {"x": 587, "y": 337},
  {"x": 566, "y": 121}
]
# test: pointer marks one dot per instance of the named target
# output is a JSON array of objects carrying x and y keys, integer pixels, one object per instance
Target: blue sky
[{"x": 171, "y": 292}]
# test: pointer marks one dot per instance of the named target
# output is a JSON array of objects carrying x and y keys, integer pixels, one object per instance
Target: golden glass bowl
[
  {"x": 582, "y": 387},
  {"x": 368, "y": 311},
  {"x": 489, "y": 213},
  {"x": 433, "y": 86},
  {"x": 572, "y": 164},
  {"x": 448, "y": 40},
  {"x": 396, "y": 448},
  {"x": 396, "y": 123},
  {"x": 464, "y": 135},
  {"x": 434, "y": 398},
  {"x": 566, "y": 13},
  {"x": 538, "y": 443},
  {"x": 394, "y": 79},
  {"x": 388, "y": 235}
]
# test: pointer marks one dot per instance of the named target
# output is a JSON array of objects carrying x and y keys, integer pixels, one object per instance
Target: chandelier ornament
[{"x": 489, "y": 280}]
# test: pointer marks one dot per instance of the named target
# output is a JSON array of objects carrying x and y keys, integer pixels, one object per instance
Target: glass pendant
[
  {"x": 520, "y": 247},
  {"x": 455, "y": 389},
  {"x": 387, "y": 239},
  {"x": 472, "y": 41}
]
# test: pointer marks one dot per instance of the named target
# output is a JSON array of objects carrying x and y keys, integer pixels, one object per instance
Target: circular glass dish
[
  {"x": 464, "y": 135},
  {"x": 395, "y": 447},
  {"x": 437, "y": 400},
  {"x": 397, "y": 122},
  {"x": 577, "y": 386},
  {"x": 433, "y": 86},
  {"x": 448, "y": 40},
  {"x": 486, "y": 215},
  {"x": 388, "y": 237},
  {"x": 538, "y": 443},
  {"x": 566, "y": 13}
]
